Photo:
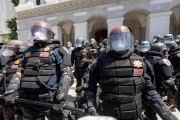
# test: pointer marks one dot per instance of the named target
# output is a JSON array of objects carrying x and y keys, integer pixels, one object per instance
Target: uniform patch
[
  {"x": 44, "y": 54},
  {"x": 46, "y": 49},
  {"x": 167, "y": 62},
  {"x": 14, "y": 67},
  {"x": 138, "y": 72},
  {"x": 17, "y": 62},
  {"x": 28, "y": 54},
  {"x": 137, "y": 64}
]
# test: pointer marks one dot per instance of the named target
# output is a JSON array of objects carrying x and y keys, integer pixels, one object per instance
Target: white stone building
[
  {"x": 95, "y": 18},
  {"x": 6, "y": 12}
]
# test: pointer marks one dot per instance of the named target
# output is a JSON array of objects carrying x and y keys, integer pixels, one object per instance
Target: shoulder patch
[{"x": 167, "y": 62}]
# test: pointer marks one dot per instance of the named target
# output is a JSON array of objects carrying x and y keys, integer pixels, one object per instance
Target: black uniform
[
  {"x": 81, "y": 68},
  {"x": 123, "y": 79},
  {"x": 9, "y": 68}
]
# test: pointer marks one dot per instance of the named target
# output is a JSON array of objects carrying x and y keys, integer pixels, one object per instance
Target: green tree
[
  {"x": 12, "y": 25},
  {"x": 15, "y": 2}
]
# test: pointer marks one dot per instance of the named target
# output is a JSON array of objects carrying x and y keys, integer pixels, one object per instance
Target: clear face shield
[
  {"x": 38, "y": 33},
  {"x": 165, "y": 40},
  {"x": 121, "y": 41},
  {"x": 144, "y": 48},
  {"x": 8, "y": 51}
]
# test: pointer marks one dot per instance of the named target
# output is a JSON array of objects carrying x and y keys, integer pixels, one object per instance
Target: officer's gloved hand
[
  {"x": 11, "y": 97},
  {"x": 92, "y": 111}
]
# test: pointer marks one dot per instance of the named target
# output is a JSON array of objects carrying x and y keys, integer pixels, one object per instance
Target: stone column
[
  {"x": 81, "y": 30},
  {"x": 112, "y": 23},
  {"x": 157, "y": 24},
  {"x": 58, "y": 33}
]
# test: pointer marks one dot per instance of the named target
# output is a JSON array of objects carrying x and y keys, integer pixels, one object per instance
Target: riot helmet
[
  {"x": 168, "y": 37},
  {"x": 14, "y": 47},
  {"x": 158, "y": 48},
  {"x": 79, "y": 42},
  {"x": 41, "y": 32},
  {"x": 144, "y": 46},
  {"x": 120, "y": 39},
  {"x": 177, "y": 39},
  {"x": 157, "y": 38},
  {"x": 171, "y": 45}
]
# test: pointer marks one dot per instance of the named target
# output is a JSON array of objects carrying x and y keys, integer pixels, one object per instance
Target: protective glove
[
  {"x": 10, "y": 98},
  {"x": 92, "y": 111}
]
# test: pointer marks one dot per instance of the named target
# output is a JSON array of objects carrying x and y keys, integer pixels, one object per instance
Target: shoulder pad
[{"x": 166, "y": 62}]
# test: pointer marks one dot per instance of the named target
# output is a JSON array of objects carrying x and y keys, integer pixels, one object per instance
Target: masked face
[
  {"x": 118, "y": 45},
  {"x": 8, "y": 52}
]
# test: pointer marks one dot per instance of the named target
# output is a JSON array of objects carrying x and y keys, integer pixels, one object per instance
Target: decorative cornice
[{"x": 52, "y": 8}]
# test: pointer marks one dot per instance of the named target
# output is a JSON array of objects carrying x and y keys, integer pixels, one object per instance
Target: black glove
[
  {"x": 11, "y": 97},
  {"x": 92, "y": 111}
]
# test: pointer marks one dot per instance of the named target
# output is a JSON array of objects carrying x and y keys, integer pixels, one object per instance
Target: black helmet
[
  {"x": 144, "y": 46},
  {"x": 168, "y": 37},
  {"x": 171, "y": 45},
  {"x": 79, "y": 42},
  {"x": 41, "y": 31},
  {"x": 13, "y": 47},
  {"x": 177, "y": 39},
  {"x": 158, "y": 47}
]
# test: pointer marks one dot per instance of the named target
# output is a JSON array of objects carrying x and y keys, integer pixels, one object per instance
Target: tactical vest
[
  {"x": 38, "y": 69},
  {"x": 121, "y": 83},
  {"x": 79, "y": 55},
  {"x": 10, "y": 66}
]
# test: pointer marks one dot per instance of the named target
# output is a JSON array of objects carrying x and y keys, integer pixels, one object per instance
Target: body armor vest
[
  {"x": 79, "y": 55},
  {"x": 121, "y": 85},
  {"x": 10, "y": 66},
  {"x": 38, "y": 69}
]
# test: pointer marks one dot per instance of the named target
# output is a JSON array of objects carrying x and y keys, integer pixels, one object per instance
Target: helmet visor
[
  {"x": 144, "y": 48},
  {"x": 8, "y": 51},
  {"x": 121, "y": 41},
  {"x": 39, "y": 33}
]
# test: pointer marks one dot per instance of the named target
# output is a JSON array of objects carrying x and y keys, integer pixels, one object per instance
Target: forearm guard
[
  {"x": 170, "y": 87},
  {"x": 13, "y": 85},
  {"x": 159, "y": 107}
]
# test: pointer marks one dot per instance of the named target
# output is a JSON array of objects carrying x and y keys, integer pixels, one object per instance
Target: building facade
[
  {"x": 6, "y": 12},
  {"x": 95, "y": 18}
]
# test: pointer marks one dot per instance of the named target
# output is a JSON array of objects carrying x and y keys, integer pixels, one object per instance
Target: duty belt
[{"x": 39, "y": 72}]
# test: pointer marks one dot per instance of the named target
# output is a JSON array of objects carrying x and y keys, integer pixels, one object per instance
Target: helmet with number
[
  {"x": 177, "y": 39},
  {"x": 171, "y": 45},
  {"x": 144, "y": 46},
  {"x": 41, "y": 31},
  {"x": 14, "y": 47},
  {"x": 168, "y": 37},
  {"x": 159, "y": 48},
  {"x": 157, "y": 38},
  {"x": 79, "y": 42},
  {"x": 120, "y": 39}
]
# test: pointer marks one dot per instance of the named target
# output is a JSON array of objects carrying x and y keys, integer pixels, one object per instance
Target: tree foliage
[
  {"x": 12, "y": 25},
  {"x": 15, "y": 2}
]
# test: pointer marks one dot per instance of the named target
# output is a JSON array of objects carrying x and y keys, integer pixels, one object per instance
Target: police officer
[
  {"x": 157, "y": 38},
  {"x": 44, "y": 75},
  {"x": 13, "y": 52},
  {"x": 123, "y": 78},
  {"x": 165, "y": 82},
  {"x": 81, "y": 58},
  {"x": 144, "y": 47},
  {"x": 105, "y": 48}
]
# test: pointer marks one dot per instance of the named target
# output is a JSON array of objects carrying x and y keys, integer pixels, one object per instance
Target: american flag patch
[
  {"x": 138, "y": 72},
  {"x": 15, "y": 67},
  {"x": 44, "y": 54}
]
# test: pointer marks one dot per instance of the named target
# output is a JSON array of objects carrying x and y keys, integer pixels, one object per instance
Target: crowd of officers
[{"x": 120, "y": 78}]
